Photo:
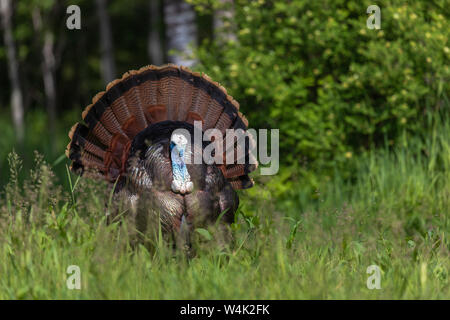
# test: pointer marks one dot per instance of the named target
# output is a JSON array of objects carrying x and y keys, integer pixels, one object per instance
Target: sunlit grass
[{"x": 394, "y": 214}]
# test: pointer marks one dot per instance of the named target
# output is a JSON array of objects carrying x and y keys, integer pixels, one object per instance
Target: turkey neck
[{"x": 179, "y": 170}]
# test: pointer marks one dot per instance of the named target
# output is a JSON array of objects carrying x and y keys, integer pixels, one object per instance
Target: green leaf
[{"x": 204, "y": 233}]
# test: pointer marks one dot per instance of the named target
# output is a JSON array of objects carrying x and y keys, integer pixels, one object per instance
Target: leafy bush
[{"x": 331, "y": 85}]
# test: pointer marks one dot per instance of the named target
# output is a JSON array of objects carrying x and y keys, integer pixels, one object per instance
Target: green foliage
[
  {"x": 331, "y": 85},
  {"x": 394, "y": 215},
  {"x": 37, "y": 137}
]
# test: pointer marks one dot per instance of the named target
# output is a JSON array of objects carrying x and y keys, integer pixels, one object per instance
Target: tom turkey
[{"x": 130, "y": 135}]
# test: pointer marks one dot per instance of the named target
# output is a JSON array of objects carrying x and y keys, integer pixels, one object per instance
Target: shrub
[{"x": 331, "y": 85}]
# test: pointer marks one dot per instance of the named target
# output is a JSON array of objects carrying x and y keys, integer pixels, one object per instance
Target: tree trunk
[
  {"x": 13, "y": 71},
  {"x": 48, "y": 71},
  {"x": 108, "y": 66},
  {"x": 181, "y": 31},
  {"x": 223, "y": 17},
  {"x": 154, "y": 44}
]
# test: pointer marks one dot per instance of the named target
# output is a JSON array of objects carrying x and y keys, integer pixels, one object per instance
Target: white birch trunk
[
  {"x": 107, "y": 61},
  {"x": 154, "y": 43},
  {"x": 17, "y": 108},
  {"x": 223, "y": 22},
  {"x": 48, "y": 69},
  {"x": 181, "y": 31}
]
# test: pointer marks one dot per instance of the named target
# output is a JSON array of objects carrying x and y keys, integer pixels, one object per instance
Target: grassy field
[{"x": 297, "y": 244}]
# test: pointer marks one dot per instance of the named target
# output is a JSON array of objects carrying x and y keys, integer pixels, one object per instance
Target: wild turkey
[{"x": 127, "y": 137}]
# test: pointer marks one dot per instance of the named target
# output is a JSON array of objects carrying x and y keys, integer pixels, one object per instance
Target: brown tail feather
[
  {"x": 188, "y": 92},
  {"x": 200, "y": 103},
  {"x": 224, "y": 122},
  {"x": 91, "y": 147},
  {"x": 212, "y": 114},
  {"x": 194, "y": 116},
  {"x": 133, "y": 99},
  {"x": 241, "y": 182},
  {"x": 120, "y": 109},
  {"x": 102, "y": 134},
  {"x": 97, "y": 97},
  {"x": 169, "y": 87},
  {"x": 156, "y": 113},
  {"x": 87, "y": 151},
  {"x": 147, "y": 91},
  {"x": 235, "y": 170},
  {"x": 111, "y": 123}
]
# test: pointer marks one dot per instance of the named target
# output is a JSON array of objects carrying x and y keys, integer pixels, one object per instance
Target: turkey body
[{"x": 148, "y": 185}]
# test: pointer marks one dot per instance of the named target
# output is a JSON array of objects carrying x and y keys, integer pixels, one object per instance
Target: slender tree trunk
[
  {"x": 13, "y": 71},
  {"x": 108, "y": 65},
  {"x": 154, "y": 44},
  {"x": 48, "y": 71},
  {"x": 181, "y": 31},
  {"x": 223, "y": 17}
]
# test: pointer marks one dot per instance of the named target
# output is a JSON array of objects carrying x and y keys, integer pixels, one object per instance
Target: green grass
[{"x": 297, "y": 244}]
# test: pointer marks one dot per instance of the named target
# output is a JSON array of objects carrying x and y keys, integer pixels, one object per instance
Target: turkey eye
[{"x": 172, "y": 144}]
